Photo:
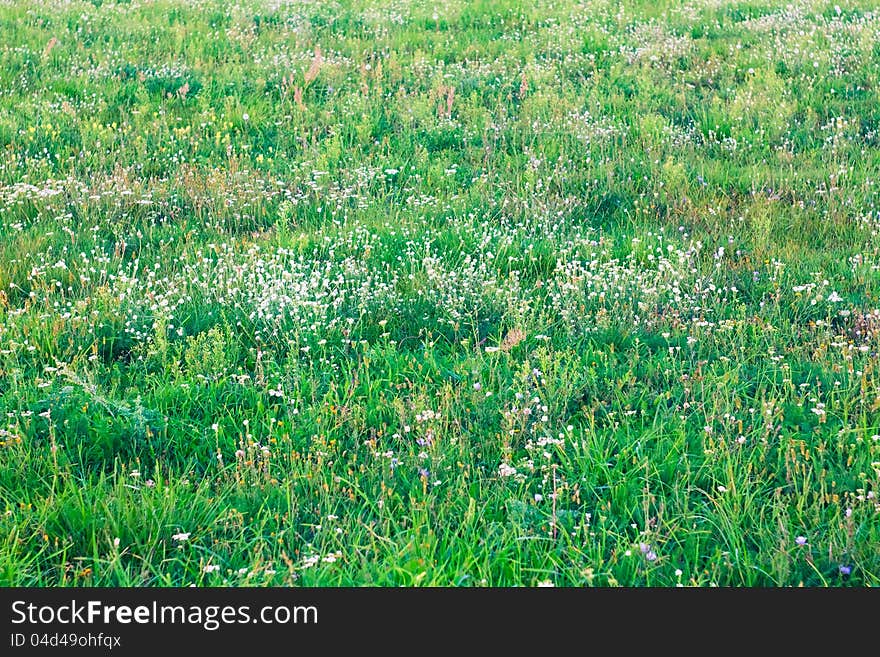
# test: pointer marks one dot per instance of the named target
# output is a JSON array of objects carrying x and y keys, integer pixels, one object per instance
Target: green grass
[{"x": 376, "y": 293}]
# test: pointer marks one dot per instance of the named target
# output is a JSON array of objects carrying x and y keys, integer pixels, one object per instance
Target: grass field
[{"x": 380, "y": 292}]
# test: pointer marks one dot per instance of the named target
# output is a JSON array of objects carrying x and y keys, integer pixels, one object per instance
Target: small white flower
[{"x": 506, "y": 470}]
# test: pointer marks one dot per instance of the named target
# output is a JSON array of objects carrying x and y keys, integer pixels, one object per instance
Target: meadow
[{"x": 465, "y": 293}]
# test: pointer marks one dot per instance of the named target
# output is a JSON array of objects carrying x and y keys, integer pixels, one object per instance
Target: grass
[{"x": 376, "y": 293}]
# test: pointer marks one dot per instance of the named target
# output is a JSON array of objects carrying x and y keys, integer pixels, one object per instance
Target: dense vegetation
[{"x": 495, "y": 293}]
